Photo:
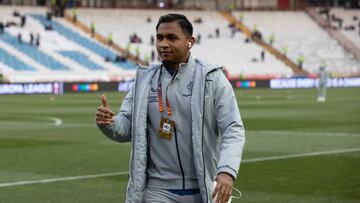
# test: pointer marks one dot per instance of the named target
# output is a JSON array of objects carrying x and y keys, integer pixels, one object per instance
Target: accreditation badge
[{"x": 166, "y": 129}]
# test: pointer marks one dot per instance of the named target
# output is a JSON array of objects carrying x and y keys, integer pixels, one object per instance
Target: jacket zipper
[
  {"x": 176, "y": 140},
  {"x": 178, "y": 155}
]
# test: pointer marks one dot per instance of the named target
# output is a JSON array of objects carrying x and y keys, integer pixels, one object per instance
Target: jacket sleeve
[
  {"x": 120, "y": 130},
  {"x": 230, "y": 125}
]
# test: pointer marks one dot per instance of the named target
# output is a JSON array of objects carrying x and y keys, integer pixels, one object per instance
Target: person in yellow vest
[
  {"x": 301, "y": 60},
  {"x": 110, "y": 39},
  {"x": 53, "y": 3},
  {"x": 53, "y": 7},
  {"x": 92, "y": 28},
  {"x": 241, "y": 17},
  {"x": 62, "y": 7},
  {"x": 285, "y": 50},
  {"x": 255, "y": 28},
  {"x": 74, "y": 13},
  {"x": 231, "y": 7},
  {"x": 147, "y": 59},
  {"x": 128, "y": 49},
  {"x": 137, "y": 52},
  {"x": 271, "y": 39}
]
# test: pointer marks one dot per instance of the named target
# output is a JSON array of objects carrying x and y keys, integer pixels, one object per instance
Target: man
[
  {"x": 74, "y": 13},
  {"x": 92, "y": 28},
  {"x": 271, "y": 39},
  {"x": 285, "y": 49},
  {"x": 183, "y": 121},
  {"x": 300, "y": 60},
  {"x": 110, "y": 39},
  {"x": 1, "y": 27},
  {"x": 322, "y": 82}
]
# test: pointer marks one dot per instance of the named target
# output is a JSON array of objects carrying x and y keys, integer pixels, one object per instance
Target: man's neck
[{"x": 172, "y": 69}]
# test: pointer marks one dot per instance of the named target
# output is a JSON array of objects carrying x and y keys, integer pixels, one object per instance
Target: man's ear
[{"x": 191, "y": 42}]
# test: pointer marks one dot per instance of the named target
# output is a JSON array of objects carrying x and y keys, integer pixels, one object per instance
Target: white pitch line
[
  {"x": 56, "y": 121},
  {"x": 29, "y": 182},
  {"x": 270, "y": 158},
  {"x": 300, "y": 133}
]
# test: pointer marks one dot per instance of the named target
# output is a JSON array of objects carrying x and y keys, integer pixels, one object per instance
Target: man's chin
[{"x": 167, "y": 61}]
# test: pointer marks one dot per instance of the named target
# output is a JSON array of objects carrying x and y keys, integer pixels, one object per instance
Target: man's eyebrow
[{"x": 166, "y": 35}]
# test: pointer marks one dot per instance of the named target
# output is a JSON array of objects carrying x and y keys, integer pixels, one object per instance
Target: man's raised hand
[{"x": 104, "y": 114}]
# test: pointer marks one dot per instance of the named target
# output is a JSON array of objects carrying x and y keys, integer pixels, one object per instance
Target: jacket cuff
[{"x": 228, "y": 170}]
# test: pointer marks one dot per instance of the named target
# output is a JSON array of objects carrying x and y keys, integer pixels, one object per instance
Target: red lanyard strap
[{"x": 161, "y": 105}]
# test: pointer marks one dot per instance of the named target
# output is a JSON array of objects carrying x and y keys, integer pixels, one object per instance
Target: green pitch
[{"x": 297, "y": 150}]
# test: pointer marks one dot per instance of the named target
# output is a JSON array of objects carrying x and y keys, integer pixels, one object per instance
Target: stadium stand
[
  {"x": 57, "y": 58},
  {"x": 333, "y": 31},
  {"x": 238, "y": 57},
  {"x": 301, "y": 35},
  {"x": 81, "y": 59},
  {"x": 350, "y": 23},
  {"x": 33, "y": 52},
  {"x": 256, "y": 37},
  {"x": 90, "y": 45},
  {"x": 70, "y": 54},
  {"x": 13, "y": 62}
]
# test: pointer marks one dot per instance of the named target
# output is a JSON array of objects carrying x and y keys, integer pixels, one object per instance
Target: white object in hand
[{"x": 215, "y": 183}]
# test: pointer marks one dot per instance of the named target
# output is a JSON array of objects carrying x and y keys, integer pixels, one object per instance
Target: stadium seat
[
  {"x": 302, "y": 35},
  {"x": 13, "y": 62},
  {"x": 83, "y": 41},
  {"x": 238, "y": 57},
  {"x": 81, "y": 59},
  {"x": 33, "y": 52}
]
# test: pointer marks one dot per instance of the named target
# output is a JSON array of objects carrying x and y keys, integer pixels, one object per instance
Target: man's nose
[{"x": 164, "y": 43}]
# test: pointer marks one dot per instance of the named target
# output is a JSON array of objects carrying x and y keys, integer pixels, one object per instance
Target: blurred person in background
[
  {"x": 183, "y": 121},
  {"x": 92, "y": 28},
  {"x": 74, "y": 14},
  {"x": 19, "y": 38},
  {"x": 22, "y": 20},
  {"x": 110, "y": 39},
  {"x": 37, "y": 42},
  {"x": 262, "y": 55},
  {"x": 285, "y": 50},
  {"x": 31, "y": 38},
  {"x": 1, "y": 27},
  {"x": 300, "y": 60},
  {"x": 271, "y": 39},
  {"x": 322, "y": 82}
]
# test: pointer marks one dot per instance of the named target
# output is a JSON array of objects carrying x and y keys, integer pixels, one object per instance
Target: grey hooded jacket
[{"x": 218, "y": 134}]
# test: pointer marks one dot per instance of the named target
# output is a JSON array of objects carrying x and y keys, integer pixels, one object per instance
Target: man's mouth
[{"x": 165, "y": 54}]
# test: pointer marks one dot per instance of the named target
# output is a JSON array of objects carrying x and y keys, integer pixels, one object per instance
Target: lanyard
[{"x": 159, "y": 92}]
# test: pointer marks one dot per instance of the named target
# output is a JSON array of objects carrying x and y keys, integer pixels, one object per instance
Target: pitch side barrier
[
  {"x": 313, "y": 83},
  {"x": 125, "y": 86},
  {"x": 31, "y": 88}
]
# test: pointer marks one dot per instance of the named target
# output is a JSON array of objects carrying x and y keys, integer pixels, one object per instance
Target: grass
[{"x": 278, "y": 122}]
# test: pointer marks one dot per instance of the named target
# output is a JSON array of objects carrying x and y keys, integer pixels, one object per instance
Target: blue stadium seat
[
  {"x": 33, "y": 52},
  {"x": 82, "y": 59},
  {"x": 83, "y": 41},
  {"x": 13, "y": 62}
]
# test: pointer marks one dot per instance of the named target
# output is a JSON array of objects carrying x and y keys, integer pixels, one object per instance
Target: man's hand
[
  {"x": 223, "y": 188},
  {"x": 104, "y": 114}
]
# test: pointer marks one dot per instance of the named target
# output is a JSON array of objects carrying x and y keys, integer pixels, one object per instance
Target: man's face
[{"x": 172, "y": 44}]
